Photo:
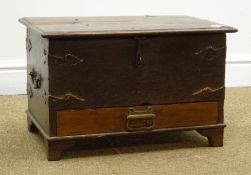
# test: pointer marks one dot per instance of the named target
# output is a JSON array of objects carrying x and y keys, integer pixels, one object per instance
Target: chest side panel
[
  {"x": 37, "y": 78},
  {"x": 128, "y": 71}
]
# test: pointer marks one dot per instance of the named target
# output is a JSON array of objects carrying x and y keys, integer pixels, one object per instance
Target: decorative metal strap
[
  {"x": 68, "y": 59},
  {"x": 210, "y": 52}
]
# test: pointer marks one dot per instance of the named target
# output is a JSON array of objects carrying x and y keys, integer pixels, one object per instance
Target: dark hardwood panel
[
  {"x": 102, "y": 72},
  {"x": 108, "y": 120}
]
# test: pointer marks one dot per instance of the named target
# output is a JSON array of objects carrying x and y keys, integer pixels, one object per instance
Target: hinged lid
[{"x": 51, "y": 27}]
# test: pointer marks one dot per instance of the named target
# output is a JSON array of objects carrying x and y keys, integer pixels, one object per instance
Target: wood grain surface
[
  {"x": 102, "y": 72},
  {"x": 110, "y": 120},
  {"x": 124, "y": 25}
]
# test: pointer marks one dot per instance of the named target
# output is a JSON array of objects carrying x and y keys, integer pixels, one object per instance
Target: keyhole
[{"x": 139, "y": 60}]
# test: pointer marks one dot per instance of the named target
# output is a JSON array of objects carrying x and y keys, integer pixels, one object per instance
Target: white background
[{"x": 12, "y": 34}]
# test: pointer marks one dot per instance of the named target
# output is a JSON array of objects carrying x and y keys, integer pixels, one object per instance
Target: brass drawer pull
[{"x": 140, "y": 119}]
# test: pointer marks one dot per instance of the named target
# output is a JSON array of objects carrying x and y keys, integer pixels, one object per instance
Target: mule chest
[{"x": 90, "y": 77}]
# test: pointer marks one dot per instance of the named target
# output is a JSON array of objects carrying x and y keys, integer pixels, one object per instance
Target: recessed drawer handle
[{"x": 140, "y": 119}]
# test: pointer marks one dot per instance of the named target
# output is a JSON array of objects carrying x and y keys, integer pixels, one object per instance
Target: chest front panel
[{"x": 128, "y": 71}]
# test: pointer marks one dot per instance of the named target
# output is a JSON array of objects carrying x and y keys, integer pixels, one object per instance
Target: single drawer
[{"x": 137, "y": 118}]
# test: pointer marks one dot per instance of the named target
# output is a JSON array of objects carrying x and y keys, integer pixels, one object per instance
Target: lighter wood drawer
[{"x": 107, "y": 120}]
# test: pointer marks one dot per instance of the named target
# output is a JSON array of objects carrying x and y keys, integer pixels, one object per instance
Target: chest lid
[{"x": 52, "y": 27}]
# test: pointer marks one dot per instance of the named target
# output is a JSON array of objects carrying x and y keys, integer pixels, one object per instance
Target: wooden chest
[{"x": 101, "y": 76}]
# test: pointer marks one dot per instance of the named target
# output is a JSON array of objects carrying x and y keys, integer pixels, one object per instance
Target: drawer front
[
  {"x": 133, "y": 119},
  {"x": 110, "y": 72}
]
